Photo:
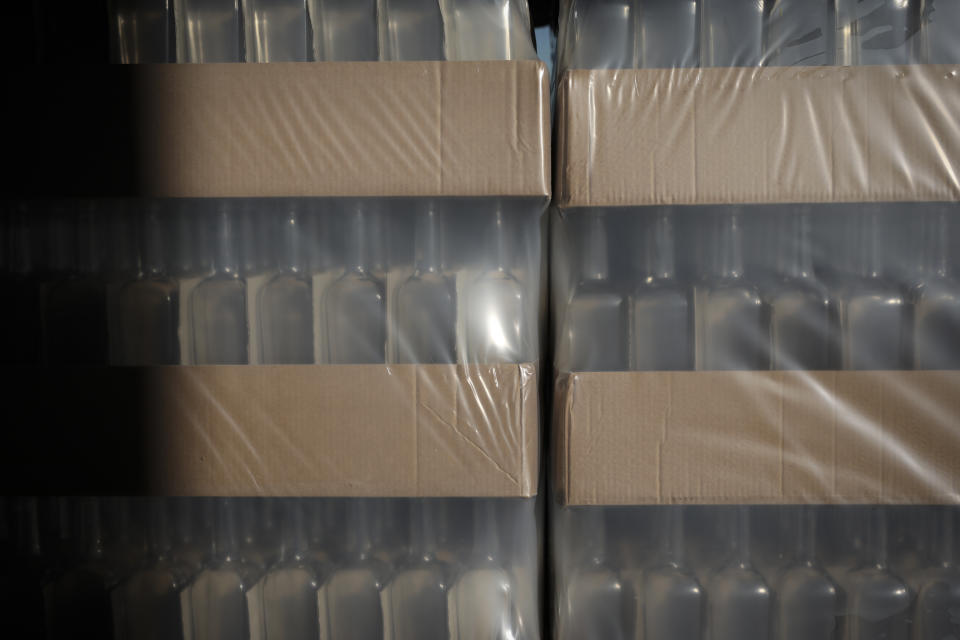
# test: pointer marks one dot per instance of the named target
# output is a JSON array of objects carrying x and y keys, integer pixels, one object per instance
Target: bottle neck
[
  {"x": 501, "y": 242},
  {"x": 948, "y": 540},
  {"x": 428, "y": 243},
  {"x": 88, "y": 250},
  {"x": 358, "y": 247},
  {"x": 290, "y": 254},
  {"x": 486, "y": 538},
  {"x": 807, "y": 535},
  {"x": 28, "y": 528},
  {"x": 671, "y": 536},
  {"x": 224, "y": 547},
  {"x": 152, "y": 246},
  {"x": 360, "y": 527},
  {"x": 423, "y": 537},
  {"x": 728, "y": 250},
  {"x": 877, "y": 538},
  {"x": 595, "y": 264},
  {"x": 743, "y": 536},
  {"x": 658, "y": 251},
  {"x": 159, "y": 534},
  {"x": 935, "y": 256},
  {"x": 293, "y": 531},
  {"x": 226, "y": 257},
  {"x": 91, "y": 529},
  {"x": 870, "y": 250},
  {"x": 795, "y": 256}
]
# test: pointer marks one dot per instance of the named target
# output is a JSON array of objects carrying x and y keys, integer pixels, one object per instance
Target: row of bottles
[
  {"x": 617, "y": 34},
  {"x": 322, "y": 30},
  {"x": 272, "y": 283},
  {"x": 764, "y": 573},
  {"x": 292, "y": 569},
  {"x": 822, "y": 291}
]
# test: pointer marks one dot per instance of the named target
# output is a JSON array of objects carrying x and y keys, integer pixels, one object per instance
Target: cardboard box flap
[
  {"x": 759, "y": 437},
  {"x": 291, "y": 430},
  {"x": 798, "y": 134}
]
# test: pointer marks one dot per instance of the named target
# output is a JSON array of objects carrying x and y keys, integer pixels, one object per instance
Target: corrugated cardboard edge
[
  {"x": 766, "y": 135},
  {"x": 758, "y": 437},
  {"x": 290, "y": 430}
]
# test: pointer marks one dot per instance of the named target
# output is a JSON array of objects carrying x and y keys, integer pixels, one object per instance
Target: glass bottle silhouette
[
  {"x": 874, "y": 315},
  {"x": 77, "y": 602},
  {"x": 669, "y": 34},
  {"x": 140, "y": 31},
  {"x": 288, "y": 590},
  {"x": 351, "y": 597},
  {"x": 411, "y": 30},
  {"x": 732, "y": 33},
  {"x": 192, "y": 532},
  {"x": 731, "y": 320},
  {"x": 480, "y": 604},
  {"x": 936, "y": 299},
  {"x": 593, "y": 599},
  {"x": 217, "y": 595},
  {"x": 25, "y": 573},
  {"x": 20, "y": 282},
  {"x": 427, "y": 301},
  {"x": 604, "y": 36},
  {"x": 344, "y": 29},
  {"x": 595, "y": 326},
  {"x": 487, "y": 30},
  {"x": 415, "y": 600},
  {"x": 207, "y": 30},
  {"x": 801, "y": 312},
  {"x": 740, "y": 602},
  {"x": 671, "y": 604},
  {"x": 275, "y": 30},
  {"x": 148, "y": 308},
  {"x": 147, "y": 603},
  {"x": 938, "y": 601},
  {"x": 880, "y": 32},
  {"x": 661, "y": 315},
  {"x": 285, "y": 302},
  {"x": 878, "y": 602},
  {"x": 800, "y": 33},
  {"x": 355, "y": 304},
  {"x": 496, "y": 307},
  {"x": 808, "y": 600},
  {"x": 218, "y": 305}
]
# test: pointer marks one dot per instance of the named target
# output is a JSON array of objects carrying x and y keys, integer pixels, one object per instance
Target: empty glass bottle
[
  {"x": 938, "y": 601},
  {"x": 800, "y": 33},
  {"x": 603, "y": 34},
  {"x": 878, "y": 32},
  {"x": 740, "y": 602},
  {"x": 285, "y": 302},
  {"x": 427, "y": 301},
  {"x": 731, "y": 320},
  {"x": 874, "y": 314},
  {"x": 411, "y": 30},
  {"x": 355, "y": 304},
  {"x": 208, "y": 30},
  {"x": 732, "y": 33},
  {"x": 415, "y": 600},
  {"x": 275, "y": 30},
  {"x": 661, "y": 314},
  {"x": 669, "y": 34},
  {"x": 218, "y": 305},
  {"x": 487, "y": 30},
  {"x": 148, "y": 308},
  {"x": 344, "y": 29},
  {"x": 141, "y": 31},
  {"x": 595, "y": 324},
  {"x": 936, "y": 317}
]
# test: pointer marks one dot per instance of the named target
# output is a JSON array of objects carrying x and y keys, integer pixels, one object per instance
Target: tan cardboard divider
[
  {"x": 290, "y": 430},
  {"x": 758, "y": 437},
  {"x": 765, "y": 135},
  {"x": 281, "y": 130}
]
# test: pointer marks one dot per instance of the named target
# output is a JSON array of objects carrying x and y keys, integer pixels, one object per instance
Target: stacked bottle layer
[
  {"x": 804, "y": 573},
  {"x": 624, "y": 34},
  {"x": 825, "y": 287},
  {"x": 321, "y": 30},
  {"x": 272, "y": 282},
  {"x": 234, "y": 569}
]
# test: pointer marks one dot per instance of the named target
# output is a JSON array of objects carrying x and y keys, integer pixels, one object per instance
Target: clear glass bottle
[
  {"x": 672, "y": 601},
  {"x": 481, "y": 603},
  {"x": 487, "y": 30},
  {"x": 740, "y": 602},
  {"x": 192, "y": 532},
  {"x": 879, "y": 32},
  {"x": 415, "y": 600},
  {"x": 285, "y": 302},
  {"x": 661, "y": 313},
  {"x": 938, "y": 601},
  {"x": 496, "y": 306},
  {"x": 217, "y": 596},
  {"x": 808, "y": 600},
  {"x": 731, "y": 34},
  {"x": 874, "y": 315},
  {"x": 594, "y": 334},
  {"x": 801, "y": 311},
  {"x": 148, "y": 308},
  {"x": 354, "y": 305},
  {"x": 879, "y": 602},
  {"x": 732, "y": 322},
  {"x": 147, "y": 603},
  {"x": 208, "y": 30},
  {"x": 288, "y": 590},
  {"x": 592, "y": 601},
  {"x": 141, "y": 31},
  {"x": 669, "y": 34},
  {"x": 344, "y": 29},
  {"x": 800, "y": 33},
  {"x": 603, "y": 34},
  {"x": 218, "y": 305},
  {"x": 275, "y": 30},
  {"x": 936, "y": 299},
  {"x": 411, "y": 30},
  {"x": 427, "y": 300},
  {"x": 350, "y": 607}
]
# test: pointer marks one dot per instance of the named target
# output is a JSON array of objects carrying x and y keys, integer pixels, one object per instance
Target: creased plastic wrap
[{"x": 301, "y": 569}]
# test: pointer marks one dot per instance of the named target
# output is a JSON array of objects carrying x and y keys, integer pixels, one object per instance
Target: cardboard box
[{"x": 738, "y": 136}]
